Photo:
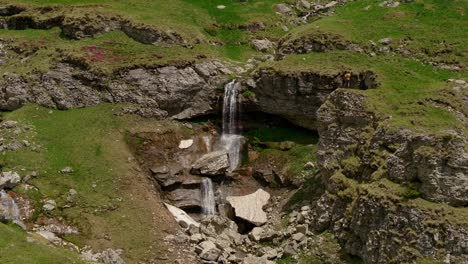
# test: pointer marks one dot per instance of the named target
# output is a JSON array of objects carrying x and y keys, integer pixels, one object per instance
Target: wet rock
[
  {"x": 167, "y": 176},
  {"x": 8, "y": 208},
  {"x": 9, "y": 179},
  {"x": 186, "y": 198},
  {"x": 211, "y": 164},
  {"x": 250, "y": 207}
]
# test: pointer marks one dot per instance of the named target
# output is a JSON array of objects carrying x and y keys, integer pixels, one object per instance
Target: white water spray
[
  {"x": 10, "y": 209},
  {"x": 231, "y": 138},
  {"x": 208, "y": 199}
]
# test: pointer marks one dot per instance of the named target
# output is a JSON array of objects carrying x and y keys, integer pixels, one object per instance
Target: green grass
[
  {"x": 430, "y": 26},
  {"x": 405, "y": 86},
  {"x": 14, "y": 249},
  {"x": 112, "y": 200},
  {"x": 195, "y": 20}
]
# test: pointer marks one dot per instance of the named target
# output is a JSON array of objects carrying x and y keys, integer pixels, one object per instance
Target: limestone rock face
[
  {"x": 169, "y": 91},
  {"x": 297, "y": 97},
  {"x": 375, "y": 221},
  {"x": 186, "y": 198},
  {"x": 434, "y": 165},
  {"x": 212, "y": 164},
  {"x": 250, "y": 207},
  {"x": 9, "y": 179}
]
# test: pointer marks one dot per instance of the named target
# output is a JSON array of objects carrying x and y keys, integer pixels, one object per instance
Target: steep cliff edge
[{"x": 379, "y": 183}]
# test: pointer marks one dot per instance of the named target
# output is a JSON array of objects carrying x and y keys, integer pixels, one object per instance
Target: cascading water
[
  {"x": 231, "y": 138},
  {"x": 208, "y": 199},
  {"x": 9, "y": 208}
]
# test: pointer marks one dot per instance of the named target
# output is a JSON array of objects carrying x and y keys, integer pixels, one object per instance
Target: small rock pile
[{"x": 15, "y": 136}]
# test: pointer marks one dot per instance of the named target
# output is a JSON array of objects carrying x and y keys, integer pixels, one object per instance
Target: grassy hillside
[
  {"x": 16, "y": 248},
  {"x": 115, "y": 202}
]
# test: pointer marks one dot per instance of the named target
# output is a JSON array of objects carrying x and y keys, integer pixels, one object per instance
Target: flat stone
[
  {"x": 250, "y": 207},
  {"x": 386, "y": 41},
  {"x": 185, "y": 144},
  {"x": 180, "y": 215}
]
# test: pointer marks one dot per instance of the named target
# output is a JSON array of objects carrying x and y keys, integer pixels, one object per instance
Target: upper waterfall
[{"x": 231, "y": 138}]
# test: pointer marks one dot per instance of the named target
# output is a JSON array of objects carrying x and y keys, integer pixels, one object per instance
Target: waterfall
[
  {"x": 9, "y": 209},
  {"x": 231, "y": 138},
  {"x": 208, "y": 199}
]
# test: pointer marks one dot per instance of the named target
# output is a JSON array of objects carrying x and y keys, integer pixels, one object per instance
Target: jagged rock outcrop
[
  {"x": 77, "y": 24},
  {"x": 375, "y": 218},
  {"x": 297, "y": 97},
  {"x": 435, "y": 165},
  {"x": 9, "y": 179},
  {"x": 182, "y": 92},
  {"x": 313, "y": 42},
  {"x": 373, "y": 223}
]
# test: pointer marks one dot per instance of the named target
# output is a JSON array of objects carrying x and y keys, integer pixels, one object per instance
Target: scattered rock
[
  {"x": 9, "y": 179},
  {"x": 49, "y": 205},
  {"x": 283, "y": 9},
  {"x": 331, "y": 4},
  {"x": 207, "y": 250},
  {"x": 386, "y": 41},
  {"x": 304, "y": 3},
  {"x": 250, "y": 207},
  {"x": 67, "y": 170},
  {"x": 262, "y": 45},
  {"x": 9, "y": 124},
  {"x": 389, "y": 3}
]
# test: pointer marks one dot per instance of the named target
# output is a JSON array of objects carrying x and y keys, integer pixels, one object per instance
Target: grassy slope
[
  {"x": 115, "y": 202},
  {"x": 194, "y": 19},
  {"x": 405, "y": 83},
  {"x": 14, "y": 249}
]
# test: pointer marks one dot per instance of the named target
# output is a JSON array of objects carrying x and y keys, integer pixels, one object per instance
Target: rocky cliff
[
  {"x": 183, "y": 92},
  {"x": 297, "y": 97},
  {"x": 373, "y": 175}
]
